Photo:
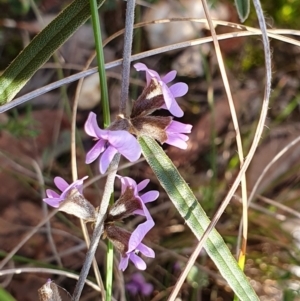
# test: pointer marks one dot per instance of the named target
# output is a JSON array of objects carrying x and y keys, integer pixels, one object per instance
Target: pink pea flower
[
  {"x": 54, "y": 199},
  {"x": 138, "y": 284},
  {"x": 163, "y": 129},
  {"x": 109, "y": 143},
  {"x": 130, "y": 201},
  {"x": 145, "y": 198},
  {"x": 169, "y": 93},
  {"x": 71, "y": 199},
  {"x": 175, "y": 133},
  {"x": 135, "y": 246}
]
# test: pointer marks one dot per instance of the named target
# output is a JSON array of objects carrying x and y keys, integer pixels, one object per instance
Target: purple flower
[
  {"x": 147, "y": 197},
  {"x": 169, "y": 93},
  {"x": 109, "y": 143},
  {"x": 54, "y": 199},
  {"x": 175, "y": 134},
  {"x": 138, "y": 284},
  {"x": 71, "y": 200},
  {"x": 135, "y": 246}
]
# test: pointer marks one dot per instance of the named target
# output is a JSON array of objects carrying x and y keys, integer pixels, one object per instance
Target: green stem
[
  {"x": 109, "y": 270},
  {"x": 100, "y": 61},
  {"x": 106, "y": 121}
]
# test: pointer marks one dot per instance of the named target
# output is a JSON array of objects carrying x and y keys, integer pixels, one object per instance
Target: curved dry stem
[
  {"x": 11, "y": 161},
  {"x": 280, "y": 206},
  {"x": 270, "y": 164},
  {"x": 46, "y": 212},
  {"x": 255, "y": 142},
  {"x": 236, "y": 128},
  {"x": 221, "y": 65},
  {"x": 120, "y": 167},
  {"x": 266, "y": 169},
  {"x": 25, "y": 239},
  {"x": 75, "y": 174},
  {"x": 18, "y": 271},
  {"x": 77, "y": 76},
  {"x": 204, "y": 21}
]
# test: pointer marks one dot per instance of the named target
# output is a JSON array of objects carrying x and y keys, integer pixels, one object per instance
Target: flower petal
[
  {"x": 132, "y": 287},
  {"x": 138, "y": 234},
  {"x": 175, "y": 134},
  {"x": 144, "y": 212},
  {"x": 143, "y": 67},
  {"x": 95, "y": 151},
  {"x": 54, "y": 202},
  {"x": 126, "y": 182},
  {"x": 140, "y": 67},
  {"x": 146, "y": 251},
  {"x": 149, "y": 196},
  {"x": 91, "y": 127},
  {"x": 177, "y": 141},
  {"x": 78, "y": 184},
  {"x": 123, "y": 263},
  {"x": 60, "y": 183},
  {"x": 147, "y": 289},
  {"x": 149, "y": 73},
  {"x": 169, "y": 76},
  {"x": 142, "y": 184},
  {"x": 179, "y": 127},
  {"x": 179, "y": 89},
  {"x": 138, "y": 278},
  {"x": 51, "y": 193},
  {"x": 126, "y": 144},
  {"x": 106, "y": 158},
  {"x": 138, "y": 262},
  {"x": 171, "y": 102}
]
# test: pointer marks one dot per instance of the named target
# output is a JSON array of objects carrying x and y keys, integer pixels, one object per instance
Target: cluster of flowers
[{"x": 120, "y": 137}]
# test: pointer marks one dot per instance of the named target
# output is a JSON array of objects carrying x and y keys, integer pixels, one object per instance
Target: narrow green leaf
[
  {"x": 17, "y": 74},
  {"x": 195, "y": 217},
  {"x": 243, "y": 9}
]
